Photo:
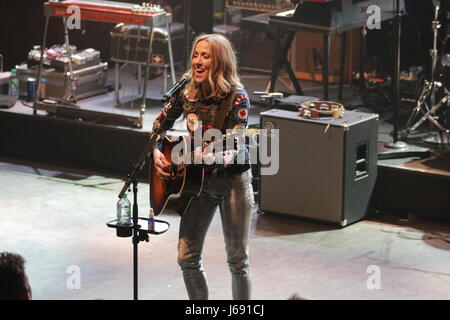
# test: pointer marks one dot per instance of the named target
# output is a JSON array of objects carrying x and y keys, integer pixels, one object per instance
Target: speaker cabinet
[{"x": 327, "y": 169}]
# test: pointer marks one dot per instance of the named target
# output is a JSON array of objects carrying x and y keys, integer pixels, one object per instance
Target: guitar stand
[{"x": 138, "y": 230}]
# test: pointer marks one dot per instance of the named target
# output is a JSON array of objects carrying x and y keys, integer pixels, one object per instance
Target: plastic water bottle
[
  {"x": 14, "y": 84},
  {"x": 124, "y": 211},
  {"x": 151, "y": 220}
]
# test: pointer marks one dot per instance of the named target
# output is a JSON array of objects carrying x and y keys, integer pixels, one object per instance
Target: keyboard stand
[
  {"x": 333, "y": 17},
  {"x": 283, "y": 42},
  {"x": 280, "y": 60}
]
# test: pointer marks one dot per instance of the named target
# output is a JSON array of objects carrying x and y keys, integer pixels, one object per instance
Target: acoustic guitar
[{"x": 186, "y": 179}]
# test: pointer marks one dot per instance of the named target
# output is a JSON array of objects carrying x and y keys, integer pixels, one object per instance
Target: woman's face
[{"x": 201, "y": 61}]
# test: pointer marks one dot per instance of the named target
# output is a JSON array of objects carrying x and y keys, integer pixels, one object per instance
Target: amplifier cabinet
[
  {"x": 324, "y": 174},
  {"x": 129, "y": 44}
]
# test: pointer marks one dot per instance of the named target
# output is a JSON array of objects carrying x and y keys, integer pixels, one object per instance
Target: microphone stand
[
  {"x": 138, "y": 232},
  {"x": 139, "y": 164},
  {"x": 187, "y": 30}
]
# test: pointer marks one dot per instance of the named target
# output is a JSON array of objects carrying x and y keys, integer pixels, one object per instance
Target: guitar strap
[{"x": 223, "y": 111}]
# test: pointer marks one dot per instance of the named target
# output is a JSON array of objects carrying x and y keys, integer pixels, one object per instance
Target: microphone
[{"x": 177, "y": 87}]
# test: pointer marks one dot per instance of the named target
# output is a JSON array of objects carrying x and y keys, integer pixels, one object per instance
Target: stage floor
[{"x": 56, "y": 218}]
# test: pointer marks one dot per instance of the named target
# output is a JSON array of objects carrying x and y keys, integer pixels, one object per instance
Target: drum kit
[{"x": 434, "y": 101}]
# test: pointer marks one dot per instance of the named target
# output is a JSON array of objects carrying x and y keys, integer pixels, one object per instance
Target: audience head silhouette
[{"x": 14, "y": 283}]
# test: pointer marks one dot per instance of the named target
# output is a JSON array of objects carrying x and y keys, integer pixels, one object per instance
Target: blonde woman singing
[{"x": 214, "y": 98}]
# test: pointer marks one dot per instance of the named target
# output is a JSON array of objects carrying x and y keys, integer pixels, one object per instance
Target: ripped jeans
[{"x": 234, "y": 196}]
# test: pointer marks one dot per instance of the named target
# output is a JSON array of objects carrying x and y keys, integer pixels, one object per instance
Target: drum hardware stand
[
  {"x": 138, "y": 232},
  {"x": 429, "y": 89},
  {"x": 428, "y": 114},
  {"x": 434, "y": 53},
  {"x": 396, "y": 144}
]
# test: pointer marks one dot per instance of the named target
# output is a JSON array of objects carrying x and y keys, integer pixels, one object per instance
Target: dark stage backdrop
[{"x": 22, "y": 25}]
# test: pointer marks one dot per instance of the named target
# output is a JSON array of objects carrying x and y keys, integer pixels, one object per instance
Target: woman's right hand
[{"x": 161, "y": 164}]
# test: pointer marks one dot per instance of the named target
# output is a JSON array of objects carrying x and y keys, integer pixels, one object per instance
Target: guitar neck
[{"x": 190, "y": 157}]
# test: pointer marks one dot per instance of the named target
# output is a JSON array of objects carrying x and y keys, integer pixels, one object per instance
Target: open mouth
[{"x": 200, "y": 71}]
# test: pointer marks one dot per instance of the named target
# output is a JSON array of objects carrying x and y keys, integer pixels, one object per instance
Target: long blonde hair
[{"x": 223, "y": 73}]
